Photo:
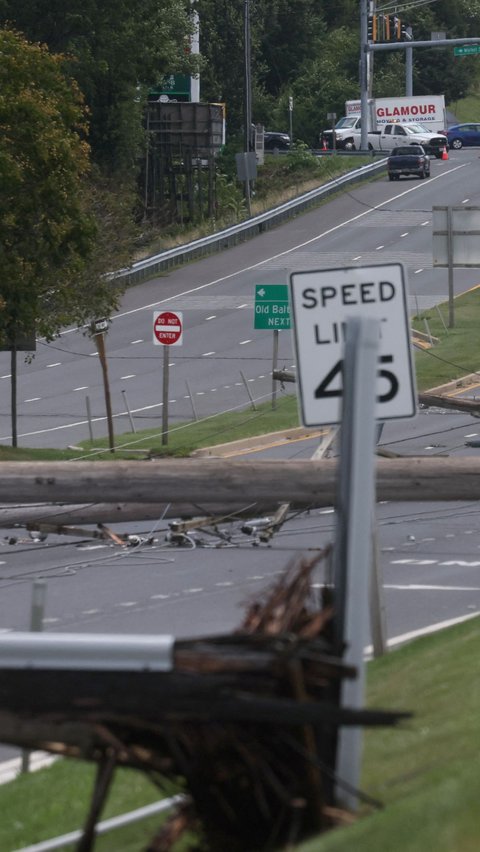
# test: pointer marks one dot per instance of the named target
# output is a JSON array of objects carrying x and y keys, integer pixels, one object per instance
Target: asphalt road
[
  {"x": 373, "y": 223},
  {"x": 429, "y": 553}
]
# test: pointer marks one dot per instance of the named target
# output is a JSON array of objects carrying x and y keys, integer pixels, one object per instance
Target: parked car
[
  {"x": 273, "y": 140},
  {"x": 463, "y": 134},
  {"x": 408, "y": 160}
]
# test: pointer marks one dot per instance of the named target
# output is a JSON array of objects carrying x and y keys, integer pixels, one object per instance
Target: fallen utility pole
[{"x": 231, "y": 482}]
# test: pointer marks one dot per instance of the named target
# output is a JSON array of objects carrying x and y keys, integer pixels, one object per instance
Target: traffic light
[{"x": 372, "y": 29}]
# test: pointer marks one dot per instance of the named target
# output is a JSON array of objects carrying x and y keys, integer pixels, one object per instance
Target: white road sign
[{"x": 322, "y": 300}]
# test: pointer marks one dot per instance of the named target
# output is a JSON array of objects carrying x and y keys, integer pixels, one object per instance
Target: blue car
[{"x": 463, "y": 134}]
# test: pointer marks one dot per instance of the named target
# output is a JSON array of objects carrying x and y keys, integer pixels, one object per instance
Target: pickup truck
[
  {"x": 341, "y": 136},
  {"x": 408, "y": 160},
  {"x": 393, "y": 135}
]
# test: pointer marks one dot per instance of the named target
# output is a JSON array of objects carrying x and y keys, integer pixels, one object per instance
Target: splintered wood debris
[{"x": 247, "y": 720}]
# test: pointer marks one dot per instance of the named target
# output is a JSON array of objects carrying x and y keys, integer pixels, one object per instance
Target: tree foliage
[
  {"x": 113, "y": 48},
  {"x": 48, "y": 225}
]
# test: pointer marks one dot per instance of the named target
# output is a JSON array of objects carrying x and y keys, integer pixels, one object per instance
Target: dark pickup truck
[{"x": 408, "y": 160}]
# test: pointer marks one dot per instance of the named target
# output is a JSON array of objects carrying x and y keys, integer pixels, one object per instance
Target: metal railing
[{"x": 142, "y": 270}]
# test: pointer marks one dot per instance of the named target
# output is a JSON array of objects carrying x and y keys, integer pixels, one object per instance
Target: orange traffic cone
[{"x": 444, "y": 154}]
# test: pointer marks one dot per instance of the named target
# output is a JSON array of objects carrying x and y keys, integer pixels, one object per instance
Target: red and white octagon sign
[{"x": 167, "y": 328}]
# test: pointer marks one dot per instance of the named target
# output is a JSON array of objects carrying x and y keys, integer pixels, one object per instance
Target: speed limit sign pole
[{"x": 167, "y": 331}]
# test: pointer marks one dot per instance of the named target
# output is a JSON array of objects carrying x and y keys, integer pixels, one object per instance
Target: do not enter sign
[{"x": 167, "y": 328}]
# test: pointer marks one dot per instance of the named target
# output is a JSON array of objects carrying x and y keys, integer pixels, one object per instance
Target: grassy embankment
[{"x": 425, "y": 772}]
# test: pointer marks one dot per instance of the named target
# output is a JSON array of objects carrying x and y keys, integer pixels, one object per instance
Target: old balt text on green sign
[{"x": 272, "y": 306}]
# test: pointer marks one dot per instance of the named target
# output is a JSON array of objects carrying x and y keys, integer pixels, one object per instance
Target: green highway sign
[
  {"x": 272, "y": 306},
  {"x": 466, "y": 50}
]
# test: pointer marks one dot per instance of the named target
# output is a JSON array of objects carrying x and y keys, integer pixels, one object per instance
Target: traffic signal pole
[{"x": 364, "y": 73}]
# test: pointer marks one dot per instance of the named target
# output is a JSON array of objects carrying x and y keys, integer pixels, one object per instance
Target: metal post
[
  {"x": 290, "y": 116},
  {"x": 451, "y": 308},
  {"x": 353, "y": 546},
  {"x": 191, "y": 402},
  {"x": 132, "y": 424},
  {"x": 377, "y": 602},
  {"x": 89, "y": 417},
  {"x": 427, "y": 330},
  {"x": 363, "y": 73},
  {"x": 247, "y": 94},
  {"x": 166, "y": 358},
  {"x": 274, "y": 367},
  {"x": 248, "y": 391},
  {"x": 409, "y": 71},
  {"x": 440, "y": 315},
  {"x": 39, "y": 592},
  {"x": 13, "y": 389}
]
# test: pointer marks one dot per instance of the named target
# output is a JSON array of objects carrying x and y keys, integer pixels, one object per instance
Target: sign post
[
  {"x": 354, "y": 365},
  {"x": 167, "y": 331},
  {"x": 272, "y": 310}
]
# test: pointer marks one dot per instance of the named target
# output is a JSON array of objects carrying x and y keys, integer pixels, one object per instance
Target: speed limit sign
[{"x": 322, "y": 301}]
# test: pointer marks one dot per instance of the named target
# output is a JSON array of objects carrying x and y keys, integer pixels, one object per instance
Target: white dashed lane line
[
  {"x": 207, "y": 353},
  {"x": 56, "y": 364},
  {"x": 405, "y": 234},
  {"x": 136, "y": 341},
  {"x": 425, "y": 223},
  {"x": 243, "y": 342},
  {"x": 82, "y": 387},
  {"x": 33, "y": 399},
  {"x": 379, "y": 247},
  {"x": 130, "y": 376},
  {"x": 214, "y": 316}
]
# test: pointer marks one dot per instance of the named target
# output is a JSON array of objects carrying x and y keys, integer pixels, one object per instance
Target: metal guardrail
[
  {"x": 142, "y": 270},
  {"x": 105, "y": 826}
]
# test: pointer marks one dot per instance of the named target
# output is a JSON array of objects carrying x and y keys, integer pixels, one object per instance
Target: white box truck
[{"x": 428, "y": 110}]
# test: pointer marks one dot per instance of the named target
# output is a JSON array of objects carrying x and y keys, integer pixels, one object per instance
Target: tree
[
  {"x": 47, "y": 226},
  {"x": 114, "y": 49}
]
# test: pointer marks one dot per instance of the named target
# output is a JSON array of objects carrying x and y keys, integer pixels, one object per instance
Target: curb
[
  {"x": 457, "y": 384},
  {"x": 300, "y": 433}
]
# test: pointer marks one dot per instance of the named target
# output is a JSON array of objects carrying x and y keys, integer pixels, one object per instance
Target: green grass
[
  {"x": 424, "y": 772},
  {"x": 457, "y": 353},
  {"x": 183, "y": 438},
  {"x": 467, "y": 109}
]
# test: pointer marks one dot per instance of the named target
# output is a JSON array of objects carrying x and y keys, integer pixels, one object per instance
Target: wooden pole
[
  {"x": 230, "y": 482},
  {"x": 100, "y": 342}
]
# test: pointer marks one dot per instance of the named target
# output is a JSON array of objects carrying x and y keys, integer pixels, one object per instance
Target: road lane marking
[
  {"x": 214, "y": 316},
  {"x": 414, "y": 587},
  {"x": 130, "y": 376},
  {"x": 294, "y": 248},
  {"x": 243, "y": 342},
  {"x": 405, "y": 234},
  {"x": 56, "y": 364},
  {"x": 82, "y": 387},
  {"x": 33, "y": 399},
  {"x": 132, "y": 342}
]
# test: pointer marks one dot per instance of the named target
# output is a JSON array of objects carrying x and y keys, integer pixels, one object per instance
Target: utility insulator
[
  {"x": 386, "y": 28},
  {"x": 395, "y": 28}
]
